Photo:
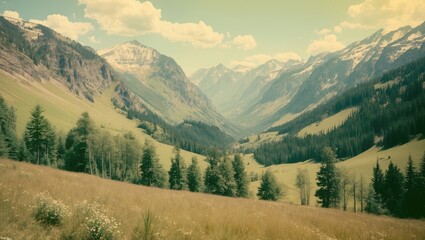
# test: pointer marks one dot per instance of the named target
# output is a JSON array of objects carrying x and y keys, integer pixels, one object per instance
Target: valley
[{"x": 227, "y": 152}]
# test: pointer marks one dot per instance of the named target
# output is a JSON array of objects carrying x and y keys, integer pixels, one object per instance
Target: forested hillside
[
  {"x": 190, "y": 135},
  {"x": 391, "y": 112}
]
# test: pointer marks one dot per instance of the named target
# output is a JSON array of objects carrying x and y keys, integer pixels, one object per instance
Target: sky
[{"x": 205, "y": 33}]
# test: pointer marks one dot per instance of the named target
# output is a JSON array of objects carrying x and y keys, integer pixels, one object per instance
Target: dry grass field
[
  {"x": 62, "y": 109},
  {"x": 360, "y": 165},
  {"x": 176, "y": 214},
  {"x": 328, "y": 123}
]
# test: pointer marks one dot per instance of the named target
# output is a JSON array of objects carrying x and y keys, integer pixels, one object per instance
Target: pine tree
[
  {"x": 328, "y": 180},
  {"x": 213, "y": 180},
  {"x": 40, "y": 138},
  {"x": 411, "y": 201},
  {"x": 378, "y": 183},
  {"x": 8, "y": 139},
  {"x": 373, "y": 205},
  {"x": 269, "y": 188},
  {"x": 151, "y": 170},
  {"x": 78, "y": 145},
  {"x": 421, "y": 187},
  {"x": 393, "y": 189},
  {"x": 177, "y": 174},
  {"x": 228, "y": 175},
  {"x": 241, "y": 177},
  {"x": 194, "y": 176}
]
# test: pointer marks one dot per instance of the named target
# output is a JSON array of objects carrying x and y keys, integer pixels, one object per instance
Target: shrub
[
  {"x": 96, "y": 223},
  {"x": 49, "y": 211}
]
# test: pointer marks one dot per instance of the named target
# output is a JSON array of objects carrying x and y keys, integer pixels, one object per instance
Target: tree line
[
  {"x": 89, "y": 149},
  {"x": 190, "y": 135},
  {"x": 393, "y": 113},
  {"x": 391, "y": 192}
]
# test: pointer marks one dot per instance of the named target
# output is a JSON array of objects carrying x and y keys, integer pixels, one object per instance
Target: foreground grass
[{"x": 177, "y": 214}]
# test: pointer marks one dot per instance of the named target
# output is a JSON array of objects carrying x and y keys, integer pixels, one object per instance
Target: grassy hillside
[
  {"x": 176, "y": 214},
  {"x": 62, "y": 109},
  {"x": 359, "y": 165},
  {"x": 328, "y": 123}
]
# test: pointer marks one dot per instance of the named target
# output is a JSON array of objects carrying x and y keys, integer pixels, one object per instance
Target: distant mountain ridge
[
  {"x": 35, "y": 52},
  {"x": 160, "y": 83},
  {"x": 231, "y": 88},
  {"x": 270, "y": 97}
]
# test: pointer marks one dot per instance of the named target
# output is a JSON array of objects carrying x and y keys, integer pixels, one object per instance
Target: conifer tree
[
  {"x": 151, "y": 170},
  {"x": 213, "y": 180},
  {"x": 421, "y": 187},
  {"x": 241, "y": 177},
  {"x": 194, "y": 176},
  {"x": 39, "y": 138},
  {"x": 378, "y": 184},
  {"x": 393, "y": 189},
  {"x": 8, "y": 140},
  {"x": 411, "y": 200},
  {"x": 177, "y": 174},
  {"x": 269, "y": 188},
  {"x": 78, "y": 145},
  {"x": 373, "y": 205},
  {"x": 328, "y": 180},
  {"x": 228, "y": 175}
]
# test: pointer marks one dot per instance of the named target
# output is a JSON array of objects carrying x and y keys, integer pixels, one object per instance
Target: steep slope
[
  {"x": 63, "y": 108},
  {"x": 233, "y": 90},
  {"x": 357, "y": 63},
  {"x": 390, "y": 111},
  {"x": 160, "y": 83},
  {"x": 302, "y": 87},
  {"x": 34, "y": 52}
]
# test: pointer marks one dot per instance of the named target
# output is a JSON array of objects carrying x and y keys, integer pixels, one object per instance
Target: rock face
[
  {"x": 160, "y": 83},
  {"x": 33, "y": 51},
  {"x": 274, "y": 91}
]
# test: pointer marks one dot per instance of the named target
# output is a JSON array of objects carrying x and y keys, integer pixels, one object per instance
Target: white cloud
[
  {"x": 93, "y": 39},
  {"x": 133, "y": 18},
  {"x": 323, "y": 31},
  {"x": 337, "y": 29},
  {"x": 11, "y": 14},
  {"x": 245, "y": 42},
  {"x": 258, "y": 59},
  {"x": 62, "y": 25},
  {"x": 390, "y": 14},
  {"x": 329, "y": 43}
]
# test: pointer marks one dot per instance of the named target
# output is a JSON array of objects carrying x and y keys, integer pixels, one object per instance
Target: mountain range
[
  {"x": 274, "y": 93},
  {"x": 238, "y": 100}
]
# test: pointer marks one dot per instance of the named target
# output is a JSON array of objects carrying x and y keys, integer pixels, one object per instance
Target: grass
[
  {"x": 328, "y": 123},
  {"x": 62, "y": 109},
  {"x": 170, "y": 214},
  {"x": 360, "y": 165}
]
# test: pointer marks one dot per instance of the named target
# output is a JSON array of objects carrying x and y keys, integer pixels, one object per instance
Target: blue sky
[{"x": 205, "y": 33}]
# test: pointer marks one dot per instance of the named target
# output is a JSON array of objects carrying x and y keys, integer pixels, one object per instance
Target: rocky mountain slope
[
  {"x": 233, "y": 90},
  {"x": 160, "y": 83},
  {"x": 274, "y": 96},
  {"x": 34, "y": 52}
]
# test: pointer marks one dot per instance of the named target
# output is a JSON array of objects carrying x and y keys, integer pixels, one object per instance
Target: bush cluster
[
  {"x": 50, "y": 211},
  {"x": 96, "y": 223}
]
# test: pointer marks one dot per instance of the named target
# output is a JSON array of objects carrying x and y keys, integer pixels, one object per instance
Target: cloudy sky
[{"x": 204, "y": 33}]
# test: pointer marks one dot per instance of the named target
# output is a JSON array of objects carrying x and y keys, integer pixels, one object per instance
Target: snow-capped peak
[
  {"x": 130, "y": 54},
  {"x": 241, "y": 68},
  {"x": 30, "y": 29}
]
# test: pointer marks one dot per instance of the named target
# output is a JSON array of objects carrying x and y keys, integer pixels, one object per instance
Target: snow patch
[{"x": 30, "y": 30}]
